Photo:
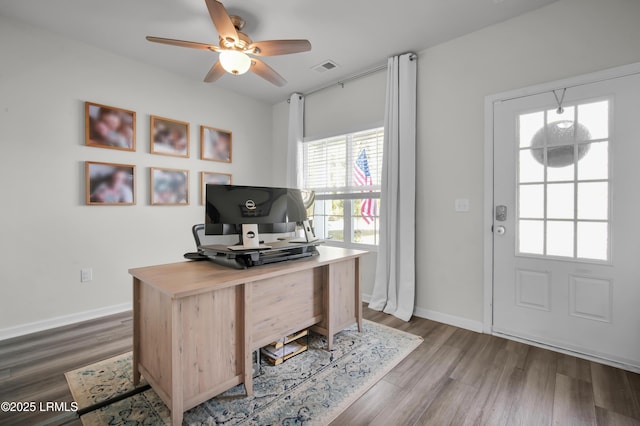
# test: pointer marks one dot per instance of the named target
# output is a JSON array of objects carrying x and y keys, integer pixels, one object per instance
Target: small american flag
[{"x": 362, "y": 177}]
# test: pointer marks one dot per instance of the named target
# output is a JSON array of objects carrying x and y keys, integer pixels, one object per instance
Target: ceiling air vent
[{"x": 325, "y": 66}]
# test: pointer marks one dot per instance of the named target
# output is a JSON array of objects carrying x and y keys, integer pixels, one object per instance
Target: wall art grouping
[
  {"x": 111, "y": 184},
  {"x": 114, "y": 184},
  {"x": 115, "y": 128}
]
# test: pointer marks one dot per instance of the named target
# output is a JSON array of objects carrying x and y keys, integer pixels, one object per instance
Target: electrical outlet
[{"x": 86, "y": 275}]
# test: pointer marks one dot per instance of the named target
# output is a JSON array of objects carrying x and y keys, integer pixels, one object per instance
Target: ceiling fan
[{"x": 235, "y": 47}]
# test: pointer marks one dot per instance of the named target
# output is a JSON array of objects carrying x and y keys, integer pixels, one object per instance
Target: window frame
[{"x": 346, "y": 193}]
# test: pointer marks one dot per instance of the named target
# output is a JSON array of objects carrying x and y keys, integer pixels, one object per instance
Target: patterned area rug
[{"x": 311, "y": 388}]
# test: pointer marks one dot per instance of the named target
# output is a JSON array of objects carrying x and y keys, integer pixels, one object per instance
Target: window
[
  {"x": 563, "y": 182},
  {"x": 345, "y": 172}
]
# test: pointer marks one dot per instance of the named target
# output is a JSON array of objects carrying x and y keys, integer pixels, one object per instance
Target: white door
[{"x": 567, "y": 219}]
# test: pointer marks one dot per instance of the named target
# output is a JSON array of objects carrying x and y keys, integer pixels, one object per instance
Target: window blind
[{"x": 328, "y": 163}]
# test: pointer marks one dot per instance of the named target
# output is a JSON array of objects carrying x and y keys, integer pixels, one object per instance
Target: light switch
[
  {"x": 86, "y": 275},
  {"x": 462, "y": 205}
]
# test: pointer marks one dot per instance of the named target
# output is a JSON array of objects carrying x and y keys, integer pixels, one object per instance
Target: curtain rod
[
  {"x": 348, "y": 79},
  {"x": 357, "y": 76}
]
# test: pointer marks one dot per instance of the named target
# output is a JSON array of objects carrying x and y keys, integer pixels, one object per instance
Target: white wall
[
  {"x": 358, "y": 105},
  {"x": 567, "y": 38},
  {"x": 46, "y": 232},
  {"x": 280, "y": 117}
]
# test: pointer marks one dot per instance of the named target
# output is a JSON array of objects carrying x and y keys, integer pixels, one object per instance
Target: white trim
[
  {"x": 487, "y": 219},
  {"x": 595, "y": 77},
  {"x": 34, "y": 327},
  {"x": 453, "y": 320},
  {"x": 580, "y": 80},
  {"x": 353, "y": 246}
]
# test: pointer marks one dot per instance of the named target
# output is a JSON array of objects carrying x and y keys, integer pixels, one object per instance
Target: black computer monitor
[{"x": 274, "y": 210}]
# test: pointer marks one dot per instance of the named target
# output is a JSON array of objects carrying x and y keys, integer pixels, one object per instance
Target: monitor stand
[
  {"x": 245, "y": 248},
  {"x": 249, "y": 239},
  {"x": 309, "y": 235}
]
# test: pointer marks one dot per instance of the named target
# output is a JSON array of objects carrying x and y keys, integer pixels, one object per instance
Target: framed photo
[
  {"x": 169, "y": 137},
  {"x": 109, "y": 127},
  {"x": 214, "y": 178},
  {"x": 169, "y": 187},
  {"x": 215, "y": 144},
  {"x": 110, "y": 184}
]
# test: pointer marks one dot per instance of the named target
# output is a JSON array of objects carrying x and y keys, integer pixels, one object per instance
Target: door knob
[{"x": 500, "y": 230}]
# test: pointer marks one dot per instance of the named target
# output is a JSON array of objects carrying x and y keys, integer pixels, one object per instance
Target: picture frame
[
  {"x": 109, "y": 127},
  {"x": 110, "y": 184},
  {"x": 169, "y": 187},
  {"x": 215, "y": 178},
  {"x": 169, "y": 137},
  {"x": 216, "y": 144}
]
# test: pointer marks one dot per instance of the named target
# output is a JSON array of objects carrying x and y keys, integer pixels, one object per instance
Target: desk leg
[
  {"x": 136, "y": 331},
  {"x": 176, "y": 417},
  {"x": 328, "y": 312},
  {"x": 247, "y": 352},
  {"x": 177, "y": 391},
  {"x": 358, "y": 290}
]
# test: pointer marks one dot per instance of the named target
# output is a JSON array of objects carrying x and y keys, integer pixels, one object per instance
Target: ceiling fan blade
[
  {"x": 222, "y": 21},
  {"x": 182, "y": 43},
  {"x": 266, "y": 72},
  {"x": 214, "y": 73},
  {"x": 278, "y": 47}
]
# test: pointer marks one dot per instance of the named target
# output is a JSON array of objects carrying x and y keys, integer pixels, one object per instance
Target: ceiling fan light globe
[{"x": 235, "y": 62}]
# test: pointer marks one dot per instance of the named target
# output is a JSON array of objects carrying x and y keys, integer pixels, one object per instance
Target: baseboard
[
  {"x": 454, "y": 320},
  {"x": 34, "y": 327}
]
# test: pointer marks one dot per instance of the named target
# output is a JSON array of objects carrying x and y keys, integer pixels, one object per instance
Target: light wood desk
[{"x": 196, "y": 324}]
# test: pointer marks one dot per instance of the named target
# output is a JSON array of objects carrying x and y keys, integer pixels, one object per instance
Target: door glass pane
[
  {"x": 531, "y": 201},
  {"x": 595, "y": 164},
  {"x": 564, "y": 172},
  {"x": 529, "y": 124},
  {"x": 560, "y": 238},
  {"x": 593, "y": 200},
  {"x": 530, "y": 169},
  {"x": 531, "y": 236},
  {"x": 595, "y": 117},
  {"x": 593, "y": 240},
  {"x": 560, "y": 201}
]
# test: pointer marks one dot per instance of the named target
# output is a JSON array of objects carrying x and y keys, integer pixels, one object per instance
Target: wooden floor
[
  {"x": 458, "y": 377},
  {"x": 455, "y": 377}
]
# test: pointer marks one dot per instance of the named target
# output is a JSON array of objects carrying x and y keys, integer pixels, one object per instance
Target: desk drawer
[{"x": 286, "y": 304}]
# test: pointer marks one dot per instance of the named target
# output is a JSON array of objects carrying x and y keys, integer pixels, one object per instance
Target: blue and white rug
[{"x": 312, "y": 388}]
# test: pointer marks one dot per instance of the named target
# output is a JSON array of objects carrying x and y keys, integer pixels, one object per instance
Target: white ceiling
[{"x": 356, "y": 34}]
